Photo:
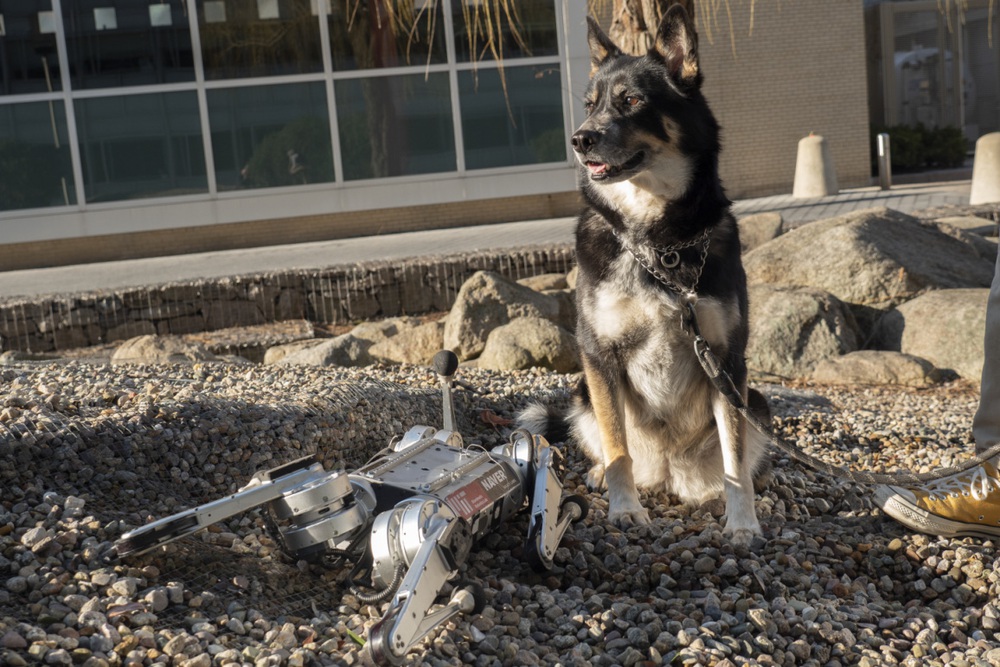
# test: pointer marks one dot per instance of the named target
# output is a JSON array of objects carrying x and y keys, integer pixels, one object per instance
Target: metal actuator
[{"x": 410, "y": 516}]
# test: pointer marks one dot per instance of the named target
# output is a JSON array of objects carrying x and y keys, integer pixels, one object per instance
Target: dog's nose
[{"x": 583, "y": 140}]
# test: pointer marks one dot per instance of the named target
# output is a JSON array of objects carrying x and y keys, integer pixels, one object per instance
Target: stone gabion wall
[{"x": 336, "y": 295}]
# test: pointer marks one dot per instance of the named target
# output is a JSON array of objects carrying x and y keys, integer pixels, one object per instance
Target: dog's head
[{"x": 647, "y": 121}]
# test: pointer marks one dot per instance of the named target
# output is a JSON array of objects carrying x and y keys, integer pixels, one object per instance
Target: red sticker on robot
[{"x": 481, "y": 493}]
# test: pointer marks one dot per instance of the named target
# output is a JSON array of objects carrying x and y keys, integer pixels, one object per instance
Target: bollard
[
  {"x": 884, "y": 161},
  {"x": 986, "y": 170},
  {"x": 814, "y": 172}
]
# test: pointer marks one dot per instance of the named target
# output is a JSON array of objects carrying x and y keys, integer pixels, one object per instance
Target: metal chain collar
[{"x": 669, "y": 258}]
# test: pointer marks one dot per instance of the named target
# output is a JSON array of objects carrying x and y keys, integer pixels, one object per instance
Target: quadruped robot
[{"x": 410, "y": 515}]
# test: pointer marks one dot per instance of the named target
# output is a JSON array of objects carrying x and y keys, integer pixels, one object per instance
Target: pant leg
[{"x": 986, "y": 424}]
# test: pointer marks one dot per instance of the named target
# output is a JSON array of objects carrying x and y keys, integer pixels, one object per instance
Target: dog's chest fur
[{"x": 638, "y": 324}]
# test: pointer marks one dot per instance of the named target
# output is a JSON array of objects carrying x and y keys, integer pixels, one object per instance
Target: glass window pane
[
  {"x": 136, "y": 146},
  {"x": 364, "y": 35},
  {"x": 269, "y": 136},
  {"x": 28, "y": 60},
  {"x": 523, "y": 125},
  {"x": 114, "y": 43},
  {"x": 243, "y": 38},
  {"x": 484, "y": 29},
  {"x": 35, "y": 166},
  {"x": 395, "y": 125}
]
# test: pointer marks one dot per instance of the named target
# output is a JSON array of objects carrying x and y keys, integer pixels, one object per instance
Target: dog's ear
[
  {"x": 601, "y": 46},
  {"x": 677, "y": 43}
]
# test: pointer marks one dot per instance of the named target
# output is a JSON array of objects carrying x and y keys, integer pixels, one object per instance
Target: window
[
  {"x": 141, "y": 146},
  {"x": 520, "y": 125},
  {"x": 27, "y": 49},
  {"x": 113, "y": 43},
  {"x": 531, "y": 34},
  {"x": 35, "y": 167},
  {"x": 246, "y": 38},
  {"x": 366, "y": 35},
  {"x": 395, "y": 125},
  {"x": 267, "y": 136}
]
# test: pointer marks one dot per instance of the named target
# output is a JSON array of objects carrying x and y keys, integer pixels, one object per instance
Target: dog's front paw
[
  {"x": 627, "y": 519},
  {"x": 595, "y": 478},
  {"x": 742, "y": 536}
]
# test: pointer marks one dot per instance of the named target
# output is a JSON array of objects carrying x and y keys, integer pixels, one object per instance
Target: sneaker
[{"x": 960, "y": 505}]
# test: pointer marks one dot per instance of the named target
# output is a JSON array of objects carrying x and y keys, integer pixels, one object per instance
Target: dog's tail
[{"x": 545, "y": 420}]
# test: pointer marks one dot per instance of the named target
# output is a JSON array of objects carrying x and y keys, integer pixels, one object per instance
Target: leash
[
  {"x": 669, "y": 258},
  {"x": 724, "y": 384}
]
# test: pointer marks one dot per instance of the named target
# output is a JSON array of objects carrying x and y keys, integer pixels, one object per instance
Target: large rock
[
  {"x": 758, "y": 229},
  {"x": 971, "y": 223},
  {"x": 872, "y": 259},
  {"x": 877, "y": 367},
  {"x": 412, "y": 345},
  {"x": 545, "y": 282},
  {"x": 985, "y": 248},
  {"x": 352, "y": 348},
  {"x": 528, "y": 342},
  {"x": 150, "y": 349},
  {"x": 792, "y": 329},
  {"x": 277, "y": 353},
  {"x": 486, "y": 301},
  {"x": 946, "y": 327}
]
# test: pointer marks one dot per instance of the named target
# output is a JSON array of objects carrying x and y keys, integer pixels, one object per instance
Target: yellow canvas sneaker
[{"x": 960, "y": 505}]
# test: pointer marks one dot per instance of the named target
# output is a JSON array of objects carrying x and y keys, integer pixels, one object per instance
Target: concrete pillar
[
  {"x": 814, "y": 172},
  {"x": 986, "y": 170}
]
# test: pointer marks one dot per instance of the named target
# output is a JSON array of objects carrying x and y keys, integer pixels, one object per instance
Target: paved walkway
[{"x": 157, "y": 270}]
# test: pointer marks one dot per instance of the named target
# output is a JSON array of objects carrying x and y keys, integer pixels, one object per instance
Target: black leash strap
[{"x": 724, "y": 384}]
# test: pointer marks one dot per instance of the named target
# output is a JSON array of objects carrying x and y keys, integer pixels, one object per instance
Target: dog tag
[{"x": 670, "y": 260}]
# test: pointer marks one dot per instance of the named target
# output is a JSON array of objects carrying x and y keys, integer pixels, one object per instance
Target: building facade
[
  {"x": 139, "y": 127},
  {"x": 934, "y": 65}
]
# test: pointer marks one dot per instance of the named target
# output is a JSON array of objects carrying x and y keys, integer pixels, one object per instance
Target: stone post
[
  {"x": 814, "y": 172},
  {"x": 986, "y": 170}
]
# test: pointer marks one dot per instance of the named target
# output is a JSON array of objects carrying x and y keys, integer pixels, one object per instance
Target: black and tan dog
[{"x": 656, "y": 236}]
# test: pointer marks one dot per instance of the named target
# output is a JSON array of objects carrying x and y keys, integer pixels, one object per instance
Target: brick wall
[{"x": 802, "y": 70}]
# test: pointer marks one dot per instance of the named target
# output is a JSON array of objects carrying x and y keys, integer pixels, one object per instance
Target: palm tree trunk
[{"x": 634, "y": 22}]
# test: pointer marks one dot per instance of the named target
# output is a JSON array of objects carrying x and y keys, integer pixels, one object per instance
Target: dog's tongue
[{"x": 597, "y": 167}]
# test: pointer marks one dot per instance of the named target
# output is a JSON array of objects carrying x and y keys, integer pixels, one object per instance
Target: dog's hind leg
[
  {"x": 624, "y": 507},
  {"x": 739, "y": 459}
]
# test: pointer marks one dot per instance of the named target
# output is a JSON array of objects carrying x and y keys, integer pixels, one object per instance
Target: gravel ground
[{"x": 89, "y": 451}]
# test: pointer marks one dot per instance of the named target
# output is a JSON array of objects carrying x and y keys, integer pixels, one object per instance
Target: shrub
[
  {"x": 946, "y": 147},
  {"x": 915, "y": 147}
]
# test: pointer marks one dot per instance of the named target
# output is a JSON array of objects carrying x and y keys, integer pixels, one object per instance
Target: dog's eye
[
  {"x": 632, "y": 100},
  {"x": 588, "y": 106}
]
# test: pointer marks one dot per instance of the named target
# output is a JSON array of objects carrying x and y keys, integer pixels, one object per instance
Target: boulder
[
  {"x": 276, "y": 353},
  {"x": 343, "y": 350},
  {"x": 872, "y": 260},
  {"x": 758, "y": 229},
  {"x": 794, "y": 328},
  {"x": 152, "y": 349},
  {"x": 528, "y": 342},
  {"x": 946, "y": 327},
  {"x": 351, "y": 348},
  {"x": 572, "y": 276},
  {"x": 412, "y": 345},
  {"x": 877, "y": 367},
  {"x": 486, "y": 301},
  {"x": 545, "y": 282},
  {"x": 971, "y": 223},
  {"x": 984, "y": 247}
]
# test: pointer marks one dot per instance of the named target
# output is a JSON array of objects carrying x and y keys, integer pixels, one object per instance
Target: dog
[{"x": 657, "y": 234}]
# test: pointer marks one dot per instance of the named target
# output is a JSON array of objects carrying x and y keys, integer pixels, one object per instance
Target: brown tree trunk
[{"x": 634, "y": 22}]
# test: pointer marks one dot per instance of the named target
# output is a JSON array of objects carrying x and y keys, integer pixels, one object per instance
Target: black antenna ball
[{"x": 445, "y": 363}]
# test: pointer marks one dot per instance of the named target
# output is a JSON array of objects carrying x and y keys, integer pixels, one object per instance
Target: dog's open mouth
[{"x": 600, "y": 171}]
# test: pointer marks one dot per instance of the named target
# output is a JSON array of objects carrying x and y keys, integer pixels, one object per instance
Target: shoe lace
[{"x": 978, "y": 483}]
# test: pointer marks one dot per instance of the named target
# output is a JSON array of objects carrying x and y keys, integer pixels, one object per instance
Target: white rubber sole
[{"x": 923, "y": 521}]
